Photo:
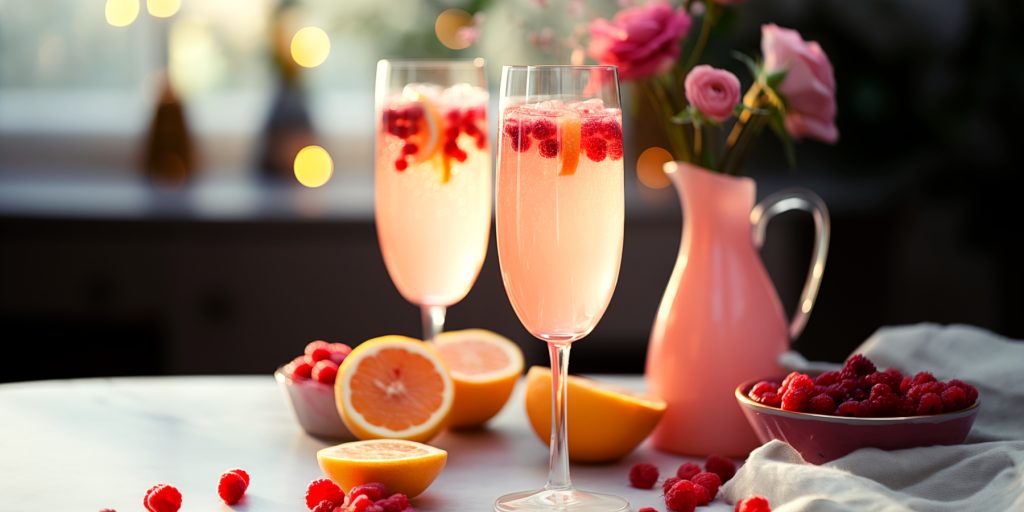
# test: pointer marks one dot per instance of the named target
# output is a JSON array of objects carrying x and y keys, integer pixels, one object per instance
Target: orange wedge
[
  {"x": 394, "y": 387},
  {"x": 604, "y": 423},
  {"x": 428, "y": 137},
  {"x": 485, "y": 367},
  {"x": 569, "y": 152},
  {"x": 402, "y": 466}
]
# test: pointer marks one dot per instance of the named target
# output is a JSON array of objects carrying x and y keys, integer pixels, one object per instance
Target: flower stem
[
  {"x": 748, "y": 125},
  {"x": 702, "y": 39},
  {"x": 660, "y": 101}
]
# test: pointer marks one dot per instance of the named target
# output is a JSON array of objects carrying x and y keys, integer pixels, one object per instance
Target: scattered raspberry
[
  {"x": 241, "y": 473},
  {"x": 231, "y": 487},
  {"x": 401, "y": 165},
  {"x": 549, "y": 148},
  {"x": 595, "y": 148},
  {"x": 162, "y": 498},
  {"x": 682, "y": 497},
  {"x": 721, "y": 466},
  {"x": 543, "y": 129},
  {"x": 930, "y": 403},
  {"x": 339, "y": 351},
  {"x": 615, "y": 150},
  {"x": 822, "y": 404},
  {"x": 358, "y": 504},
  {"x": 648, "y": 509},
  {"x": 701, "y": 495},
  {"x": 324, "y": 506},
  {"x": 753, "y": 504},
  {"x": 643, "y": 475},
  {"x": 709, "y": 481},
  {"x": 686, "y": 470},
  {"x": 318, "y": 350},
  {"x": 372, "y": 490},
  {"x": 325, "y": 371},
  {"x": 299, "y": 368},
  {"x": 397, "y": 502},
  {"x": 796, "y": 399},
  {"x": 669, "y": 482},
  {"x": 323, "y": 489}
]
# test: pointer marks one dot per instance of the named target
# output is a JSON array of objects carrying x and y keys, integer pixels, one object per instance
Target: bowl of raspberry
[
  {"x": 308, "y": 383},
  {"x": 829, "y": 415}
]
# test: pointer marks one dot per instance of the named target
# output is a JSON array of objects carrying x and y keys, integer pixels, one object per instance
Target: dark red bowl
[{"x": 820, "y": 438}]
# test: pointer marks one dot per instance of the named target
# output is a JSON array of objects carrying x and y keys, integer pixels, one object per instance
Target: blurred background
[{"x": 154, "y": 218}]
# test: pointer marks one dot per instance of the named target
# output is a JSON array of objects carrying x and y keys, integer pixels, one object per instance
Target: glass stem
[
  {"x": 433, "y": 321},
  {"x": 558, "y": 463}
]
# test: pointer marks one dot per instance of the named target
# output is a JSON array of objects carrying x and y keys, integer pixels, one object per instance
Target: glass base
[{"x": 569, "y": 500}]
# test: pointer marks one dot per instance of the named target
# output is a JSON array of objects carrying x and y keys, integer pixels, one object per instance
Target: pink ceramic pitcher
[{"x": 721, "y": 322}]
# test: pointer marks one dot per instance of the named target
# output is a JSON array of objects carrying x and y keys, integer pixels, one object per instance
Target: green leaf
[
  {"x": 778, "y": 124},
  {"x": 755, "y": 69},
  {"x": 774, "y": 80},
  {"x": 684, "y": 117}
]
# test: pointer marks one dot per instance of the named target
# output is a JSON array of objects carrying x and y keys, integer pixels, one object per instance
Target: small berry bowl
[
  {"x": 314, "y": 406},
  {"x": 821, "y": 438}
]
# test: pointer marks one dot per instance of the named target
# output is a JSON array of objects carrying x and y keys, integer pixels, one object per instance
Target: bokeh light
[
  {"x": 163, "y": 8},
  {"x": 650, "y": 167},
  {"x": 310, "y": 47},
  {"x": 121, "y": 13},
  {"x": 313, "y": 166},
  {"x": 447, "y": 28}
]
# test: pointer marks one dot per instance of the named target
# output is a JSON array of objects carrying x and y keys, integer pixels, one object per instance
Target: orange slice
[
  {"x": 402, "y": 466},
  {"x": 604, "y": 423},
  {"x": 485, "y": 367},
  {"x": 569, "y": 152},
  {"x": 394, "y": 387},
  {"x": 428, "y": 139}
]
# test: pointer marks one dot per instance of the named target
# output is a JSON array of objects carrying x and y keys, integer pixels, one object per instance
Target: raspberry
[
  {"x": 970, "y": 392},
  {"x": 241, "y": 473},
  {"x": 323, "y": 489},
  {"x": 232, "y": 485},
  {"x": 686, "y": 470},
  {"x": 930, "y": 403},
  {"x": 858, "y": 365},
  {"x": 905, "y": 384},
  {"x": 299, "y": 369},
  {"x": 358, "y": 504},
  {"x": 517, "y": 128},
  {"x": 923, "y": 378},
  {"x": 397, "y": 502},
  {"x": 884, "y": 404},
  {"x": 796, "y": 399},
  {"x": 339, "y": 351},
  {"x": 890, "y": 380},
  {"x": 595, "y": 148},
  {"x": 669, "y": 482},
  {"x": 682, "y": 497},
  {"x": 162, "y": 498},
  {"x": 318, "y": 350},
  {"x": 325, "y": 506},
  {"x": 543, "y": 129},
  {"x": 615, "y": 150},
  {"x": 548, "y": 148},
  {"x": 709, "y": 481},
  {"x": 720, "y": 466},
  {"x": 372, "y": 490},
  {"x": 648, "y": 509},
  {"x": 611, "y": 130},
  {"x": 325, "y": 371},
  {"x": 822, "y": 404},
  {"x": 763, "y": 387},
  {"x": 796, "y": 380},
  {"x": 590, "y": 128},
  {"x": 701, "y": 495},
  {"x": 643, "y": 475},
  {"x": 827, "y": 378},
  {"x": 771, "y": 399},
  {"x": 401, "y": 165},
  {"x": 753, "y": 504},
  {"x": 850, "y": 408},
  {"x": 520, "y": 144}
]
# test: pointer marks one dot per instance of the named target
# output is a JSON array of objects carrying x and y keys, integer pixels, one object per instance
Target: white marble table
[{"x": 100, "y": 443}]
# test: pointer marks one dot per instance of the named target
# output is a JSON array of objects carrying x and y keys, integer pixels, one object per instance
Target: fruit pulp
[
  {"x": 560, "y": 214},
  {"x": 433, "y": 191}
]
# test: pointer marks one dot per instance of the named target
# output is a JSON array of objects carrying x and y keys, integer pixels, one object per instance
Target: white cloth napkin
[{"x": 983, "y": 476}]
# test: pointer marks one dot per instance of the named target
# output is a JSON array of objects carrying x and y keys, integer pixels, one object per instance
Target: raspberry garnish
[
  {"x": 669, "y": 482},
  {"x": 543, "y": 129},
  {"x": 611, "y": 130},
  {"x": 590, "y": 128},
  {"x": 753, "y": 504},
  {"x": 339, "y": 351},
  {"x": 325, "y": 506},
  {"x": 701, "y": 495},
  {"x": 721, "y": 466},
  {"x": 401, "y": 164},
  {"x": 615, "y": 150},
  {"x": 372, "y": 490},
  {"x": 648, "y": 509},
  {"x": 548, "y": 148},
  {"x": 318, "y": 350},
  {"x": 232, "y": 485},
  {"x": 709, "y": 481},
  {"x": 410, "y": 148},
  {"x": 325, "y": 371},
  {"x": 299, "y": 368},
  {"x": 687, "y": 470},
  {"x": 397, "y": 502},
  {"x": 162, "y": 498},
  {"x": 595, "y": 148},
  {"x": 323, "y": 489},
  {"x": 682, "y": 497},
  {"x": 360, "y": 503},
  {"x": 931, "y": 403},
  {"x": 520, "y": 143},
  {"x": 643, "y": 475}
]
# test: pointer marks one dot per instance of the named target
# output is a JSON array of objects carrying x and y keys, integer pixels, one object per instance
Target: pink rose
[
  {"x": 715, "y": 92},
  {"x": 642, "y": 41},
  {"x": 809, "y": 87}
]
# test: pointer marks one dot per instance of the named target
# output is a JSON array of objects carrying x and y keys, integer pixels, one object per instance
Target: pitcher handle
[{"x": 804, "y": 200}]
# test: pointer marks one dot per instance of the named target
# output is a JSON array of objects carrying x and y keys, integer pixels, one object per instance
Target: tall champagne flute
[
  {"x": 432, "y": 180},
  {"x": 559, "y": 227}
]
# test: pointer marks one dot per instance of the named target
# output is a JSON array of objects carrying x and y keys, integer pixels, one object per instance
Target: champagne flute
[
  {"x": 432, "y": 180},
  {"x": 560, "y": 210}
]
